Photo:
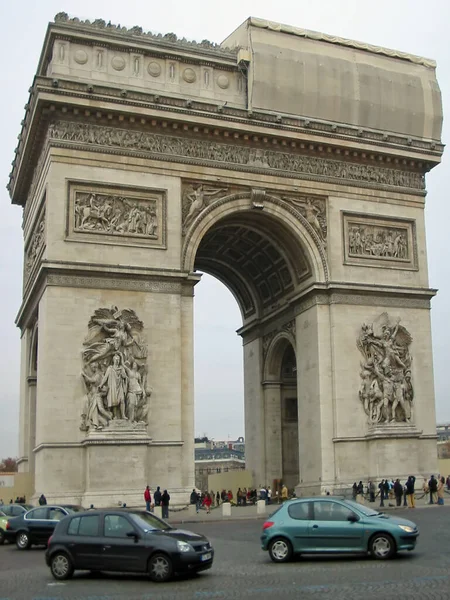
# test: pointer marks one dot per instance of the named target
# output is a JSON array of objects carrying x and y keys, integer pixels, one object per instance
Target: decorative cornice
[{"x": 168, "y": 39}]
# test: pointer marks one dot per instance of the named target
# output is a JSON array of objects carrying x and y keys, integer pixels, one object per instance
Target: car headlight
[
  {"x": 407, "y": 528},
  {"x": 184, "y": 546}
]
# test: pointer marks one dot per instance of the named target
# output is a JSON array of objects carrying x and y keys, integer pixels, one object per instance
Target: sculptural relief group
[
  {"x": 386, "y": 390},
  {"x": 114, "y": 214},
  {"x": 369, "y": 240},
  {"x": 115, "y": 370}
]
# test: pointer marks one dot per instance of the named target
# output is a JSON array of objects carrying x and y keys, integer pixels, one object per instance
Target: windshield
[
  {"x": 365, "y": 510},
  {"x": 149, "y": 522}
]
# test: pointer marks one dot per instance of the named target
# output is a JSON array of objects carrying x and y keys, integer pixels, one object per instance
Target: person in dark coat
[
  {"x": 432, "y": 486},
  {"x": 410, "y": 491},
  {"x": 157, "y": 496},
  {"x": 398, "y": 492},
  {"x": 165, "y": 499},
  {"x": 42, "y": 500}
]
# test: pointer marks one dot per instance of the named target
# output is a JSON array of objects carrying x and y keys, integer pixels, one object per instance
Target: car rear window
[
  {"x": 300, "y": 511},
  {"x": 84, "y": 526},
  {"x": 37, "y": 513}
]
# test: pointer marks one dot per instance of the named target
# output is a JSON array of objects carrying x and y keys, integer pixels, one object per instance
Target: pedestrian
[
  {"x": 371, "y": 487},
  {"x": 195, "y": 499},
  {"x": 218, "y": 498},
  {"x": 381, "y": 488},
  {"x": 157, "y": 496},
  {"x": 165, "y": 499},
  {"x": 284, "y": 493},
  {"x": 354, "y": 491},
  {"x": 147, "y": 498},
  {"x": 448, "y": 482},
  {"x": 398, "y": 492},
  {"x": 207, "y": 503},
  {"x": 269, "y": 495},
  {"x": 441, "y": 491},
  {"x": 42, "y": 500},
  {"x": 432, "y": 486},
  {"x": 410, "y": 492}
]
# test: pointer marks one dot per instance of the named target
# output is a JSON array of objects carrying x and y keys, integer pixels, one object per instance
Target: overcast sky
[{"x": 409, "y": 25}]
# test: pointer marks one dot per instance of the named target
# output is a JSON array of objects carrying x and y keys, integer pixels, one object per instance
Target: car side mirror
[
  {"x": 353, "y": 518},
  {"x": 133, "y": 534}
]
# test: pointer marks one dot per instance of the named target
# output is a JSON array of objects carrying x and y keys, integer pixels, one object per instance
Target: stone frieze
[
  {"x": 35, "y": 247},
  {"x": 165, "y": 147}
]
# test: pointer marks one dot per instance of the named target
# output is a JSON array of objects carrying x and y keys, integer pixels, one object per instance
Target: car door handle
[
  {"x": 315, "y": 527},
  {"x": 106, "y": 547}
]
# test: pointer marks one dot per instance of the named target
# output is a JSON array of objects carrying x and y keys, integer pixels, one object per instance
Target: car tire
[
  {"x": 23, "y": 540},
  {"x": 160, "y": 568},
  {"x": 280, "y": 550},
  {"x": 61, "y": 566},
  {"x": 382, "y": 546},
  {"x": 2, "y": 537}
]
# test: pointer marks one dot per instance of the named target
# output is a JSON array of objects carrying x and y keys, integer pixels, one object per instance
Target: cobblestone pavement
[{"x": 242, "y": 570}]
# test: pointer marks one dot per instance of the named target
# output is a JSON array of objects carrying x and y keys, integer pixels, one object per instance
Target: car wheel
[
  {"x": 23, "y": 540},
  {"x": 61, "y": 566},
  {"x": 382, "y": 546},
  {"x": 160, "y": 568},
  {"x": 2, "y": 537},
  {"x": 280, "y": 550}
]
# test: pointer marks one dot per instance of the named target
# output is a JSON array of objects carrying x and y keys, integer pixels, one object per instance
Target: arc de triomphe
[{"x": 288, "y": 164}]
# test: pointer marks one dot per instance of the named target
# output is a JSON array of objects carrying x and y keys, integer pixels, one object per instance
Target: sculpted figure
[
  {"x": 386, "y": 391},
  {"x": 311, "y": 212},
  {"x": 135, "y": 390},
  {"x": 115, "y": 369},
  {"x": 197, "y": 196},
  {"x": 115, "y": 382}
]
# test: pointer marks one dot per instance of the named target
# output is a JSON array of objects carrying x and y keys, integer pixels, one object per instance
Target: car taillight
[
  {"x": 8, "y": 526},
  {"x": 49, "y": 540},
  {"x": 268, "y": 524}
]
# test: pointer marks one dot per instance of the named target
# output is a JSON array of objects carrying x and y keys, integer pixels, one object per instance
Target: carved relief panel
[
  {"x": 35, "y": 246},
  {"x": 379, "y": 242},
  {"x": 386, "y": 390},
  {"x": 116, "y": 215}
]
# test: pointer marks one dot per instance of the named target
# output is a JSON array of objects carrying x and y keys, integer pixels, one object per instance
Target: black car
[
  {"x": 127, "y": 541},
  {"x": 37, "y": 525},
  {"x": 14, "y": 510}
]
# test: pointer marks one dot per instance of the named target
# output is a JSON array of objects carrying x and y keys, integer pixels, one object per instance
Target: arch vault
[{"x": 145, "y": 160}]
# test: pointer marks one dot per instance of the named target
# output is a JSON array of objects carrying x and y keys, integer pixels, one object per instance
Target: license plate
[{"x": 206, "y": 556}]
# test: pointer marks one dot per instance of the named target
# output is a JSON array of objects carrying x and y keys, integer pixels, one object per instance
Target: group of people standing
[
  {"x": 161, "y": 499},
  {"x": 404, "y": 492}
]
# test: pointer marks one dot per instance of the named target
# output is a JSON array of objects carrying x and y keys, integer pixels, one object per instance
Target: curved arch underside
[{"x": 255, "y": 257}]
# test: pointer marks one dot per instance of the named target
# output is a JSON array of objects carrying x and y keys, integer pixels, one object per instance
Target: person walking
[
  {"x": 157, "y": 496},
  {"x": 441, "y": 491},
  {"x": 410, "y": 492},
  {"x": 165, "y": 499},
  {"x": 398, "y": 492},
  {"x": 381, "y": 488},
  {"x": 42, "y": 500},
  {"x": 218, "y": 498},
  {"x": 207, "y": 501},
  {"x": 432, "y": 486},
  {"x": 195, "y": 499},
  {"x": 147, "y": 498},
  {"x": 371, "y": 488}
]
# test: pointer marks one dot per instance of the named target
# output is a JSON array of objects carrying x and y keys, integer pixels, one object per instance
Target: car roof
[
  {"x": 114, "y": 509},
  {"x": 315, "y": 498}
]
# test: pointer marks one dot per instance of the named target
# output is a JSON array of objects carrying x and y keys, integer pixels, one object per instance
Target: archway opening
[{"x": 263, "y": 264}]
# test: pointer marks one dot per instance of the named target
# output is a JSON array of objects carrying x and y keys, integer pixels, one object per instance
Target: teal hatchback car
[{"x": 334, "y": 525}]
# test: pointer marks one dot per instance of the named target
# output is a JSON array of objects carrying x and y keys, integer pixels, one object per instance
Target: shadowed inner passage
[{"x": 256, "y": 260}]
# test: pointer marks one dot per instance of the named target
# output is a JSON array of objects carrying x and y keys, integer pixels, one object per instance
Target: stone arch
[
  {"x": 280, "y": 210},
  {"x": 274, "y": 355}
]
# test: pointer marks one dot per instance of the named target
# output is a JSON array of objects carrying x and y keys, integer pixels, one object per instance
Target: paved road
[{"x": 242, "y": 570}]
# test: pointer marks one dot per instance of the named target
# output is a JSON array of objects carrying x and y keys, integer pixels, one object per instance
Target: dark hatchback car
[
  {"x": 37, "y": 525},
  {"x": 126, "y": 541}
]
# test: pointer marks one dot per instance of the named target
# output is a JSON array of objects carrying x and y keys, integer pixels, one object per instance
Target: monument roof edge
[
  {"x": 333, "y": 39},
  {"x": 168, "y": 41}
]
